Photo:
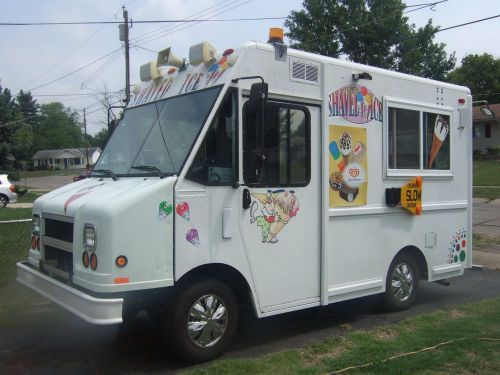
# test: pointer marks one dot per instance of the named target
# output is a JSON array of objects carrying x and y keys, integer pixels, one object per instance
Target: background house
[
  {"x": 486, "y": 130},
  {"x": 66, "y": 158}
]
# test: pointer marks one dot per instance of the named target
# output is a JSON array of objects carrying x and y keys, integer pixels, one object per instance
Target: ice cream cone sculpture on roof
[{"x": 441, "y": 130}]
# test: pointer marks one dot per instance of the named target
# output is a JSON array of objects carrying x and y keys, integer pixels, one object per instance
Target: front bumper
[{"x": 91, "y": 309}]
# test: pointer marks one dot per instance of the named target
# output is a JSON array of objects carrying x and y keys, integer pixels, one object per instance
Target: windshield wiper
[
  {"x": 149, "y": 168},
  {"x": 106, "y": 172}
]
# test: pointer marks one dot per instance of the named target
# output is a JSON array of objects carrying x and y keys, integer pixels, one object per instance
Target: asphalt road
[{"x": 45, "y": 339}]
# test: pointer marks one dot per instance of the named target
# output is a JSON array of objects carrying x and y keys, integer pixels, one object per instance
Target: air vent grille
[{"x": 305, "y": 72}]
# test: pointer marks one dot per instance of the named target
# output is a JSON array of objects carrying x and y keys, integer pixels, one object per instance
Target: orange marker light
[
  {"x": 121, "y": 261},
  {"x": 121, "y": 280},
  {"x": 418, "y": 209},
  {"x": 85, "y": 259},
  {"x": 33, "y": 242},
  {"x": 419, "y": 181},
  {"x": 93, "y": 262}
]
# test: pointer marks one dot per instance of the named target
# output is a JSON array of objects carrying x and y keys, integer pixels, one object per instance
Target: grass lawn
[
  {"x": 483, "y": 240},
  {"x": 461, "y": 340},
  {"x": 29, "y": 197},
  {"x": 14, "y": 214},
  {"x": 44, "y": 173},
  {"x": 486, "y": 173},
  {"x": 486, "y": 192}
]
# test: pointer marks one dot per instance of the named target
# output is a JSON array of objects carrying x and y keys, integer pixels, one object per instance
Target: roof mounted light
[
  {"x": 201, "y": 53},
  {"x": 167, "y": 58},
  {"x": 149, "y": 71},
  {"x": 276, "y": 35}
]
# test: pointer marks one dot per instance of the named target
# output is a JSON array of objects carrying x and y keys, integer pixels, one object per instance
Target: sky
[{"x": 33, "y": 56}]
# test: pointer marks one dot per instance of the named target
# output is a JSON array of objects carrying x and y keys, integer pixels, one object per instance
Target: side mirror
[{"x": 258, "y": 97}]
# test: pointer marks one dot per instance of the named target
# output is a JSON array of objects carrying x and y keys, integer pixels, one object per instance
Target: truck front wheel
[
  {"x": 401, "y": 284},
  {"x": 201, "y": 321}
]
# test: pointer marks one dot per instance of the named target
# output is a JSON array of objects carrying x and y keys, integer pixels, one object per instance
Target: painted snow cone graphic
[
  {"x": 165, "y": 209},
  {"x": 441, "y": 130},
  {"x": 182, "y": 209},
  {"x": 193, "y": 237}
]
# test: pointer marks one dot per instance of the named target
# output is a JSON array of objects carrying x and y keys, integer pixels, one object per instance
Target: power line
[
  {"x": 468, "y": 23},
  {"x": 76, "y": 71},
  {"x": 192, "y": 24},
  {"x": 209, "y": 12},
  {"x": 144, "y": 21},
  {"x": 197, "y": 14}
]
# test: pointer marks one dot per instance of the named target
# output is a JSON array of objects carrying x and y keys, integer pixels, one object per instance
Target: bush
[
  {"x": 12, "y": 175},
  {"x": 495, "y": 150}
]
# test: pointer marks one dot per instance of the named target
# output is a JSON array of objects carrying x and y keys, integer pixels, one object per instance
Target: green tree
[
  {"x": 58, "y": 128},
  {"x": 101, "y": 138},
  {"x": 481, "y": 73},
  {"x": 373, "y": 32},
  {"x": 9, "y": 124}
]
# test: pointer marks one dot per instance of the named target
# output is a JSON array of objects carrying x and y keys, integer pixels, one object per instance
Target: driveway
[
  {"x": 39, "y": 337},
  {"x": 48, "y": 183}
]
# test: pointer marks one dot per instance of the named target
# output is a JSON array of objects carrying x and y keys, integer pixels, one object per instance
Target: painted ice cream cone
[
  {"x": 276, "y": 227},
  {"x": 345, "y": 146},
  {"x": 441, "y": 129},
  {"x": 286, "y": 207}
]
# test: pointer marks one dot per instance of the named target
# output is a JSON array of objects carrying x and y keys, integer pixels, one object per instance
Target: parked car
[
  {"x": 7, "y": 191},
  {"x": 81, "y": 176}
]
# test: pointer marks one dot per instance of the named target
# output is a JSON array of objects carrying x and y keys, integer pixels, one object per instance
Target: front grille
[
  {"x": 60, "y": 230},
  {"x": 60, "y": 259},
  {"x": 57, "y": 246}
]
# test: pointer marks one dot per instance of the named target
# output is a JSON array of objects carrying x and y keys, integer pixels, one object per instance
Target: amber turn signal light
[
  {"x": 33, "y": 242},
  {"x": 93, "y": 262},
  {"x": 121, "y": 261},
  {"x": 85, "y": 259},
  {"x": 121, "y": 280}
]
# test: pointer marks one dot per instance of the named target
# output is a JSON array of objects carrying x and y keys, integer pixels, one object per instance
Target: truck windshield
[{"x": 155, "y": 139}]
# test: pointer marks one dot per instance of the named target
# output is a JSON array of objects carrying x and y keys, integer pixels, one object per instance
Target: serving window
[{"x": 417, "y": 139}]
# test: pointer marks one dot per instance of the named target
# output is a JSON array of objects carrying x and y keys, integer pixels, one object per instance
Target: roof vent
[{"x": 302, "y": 71}]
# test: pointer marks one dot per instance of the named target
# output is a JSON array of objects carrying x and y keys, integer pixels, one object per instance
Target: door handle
[{"x": 247, "y": 200}]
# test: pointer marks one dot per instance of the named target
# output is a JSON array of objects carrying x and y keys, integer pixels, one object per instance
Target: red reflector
[
  {"x": 85, "y": 259},
  {"x": 93, "y": 262},
  {"x": 228, "y": 52},
  {"x": 121, "y": 280},
  {"x": 12, "y": 188},
  {"x": 461, "y": 101},
  {"x": 33, "y": 242},
  {"x": 38, "y": 243}
]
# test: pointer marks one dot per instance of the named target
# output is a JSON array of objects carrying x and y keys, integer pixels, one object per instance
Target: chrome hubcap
[
  {"x": 207, "y": 321},
  {"x": 402, "y": 282},
  {"x": 3, "y": 201}
]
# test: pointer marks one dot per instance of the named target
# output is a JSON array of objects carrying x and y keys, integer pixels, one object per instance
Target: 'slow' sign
[{"x": 411, "y": 196}]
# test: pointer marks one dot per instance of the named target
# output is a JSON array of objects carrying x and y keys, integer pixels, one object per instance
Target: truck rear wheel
[
  {"x": 201, "y": 321},
  {"x": 401, "y": 286}
]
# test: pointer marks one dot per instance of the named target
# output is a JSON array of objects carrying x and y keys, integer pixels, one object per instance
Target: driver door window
[{"x": 215, "y": 162}]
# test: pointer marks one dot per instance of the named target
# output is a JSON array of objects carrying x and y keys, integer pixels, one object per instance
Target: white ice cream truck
[{"x": 265, "y": 175}]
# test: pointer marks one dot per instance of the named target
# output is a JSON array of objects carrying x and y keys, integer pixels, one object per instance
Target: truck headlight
[
  {"x": 35, "y": 225},
  {"x": 89, "y": 237}
]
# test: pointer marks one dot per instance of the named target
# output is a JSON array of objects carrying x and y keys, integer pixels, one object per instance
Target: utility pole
[
  {"x": 124, "y": 38},
  {"x": 86, "y": 139}
]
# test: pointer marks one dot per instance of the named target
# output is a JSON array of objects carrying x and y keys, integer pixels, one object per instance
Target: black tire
[
  {"x": 401, "y": 286},
  {"x": 204, "y": 343},
  {"x": 3, "y": 201}
]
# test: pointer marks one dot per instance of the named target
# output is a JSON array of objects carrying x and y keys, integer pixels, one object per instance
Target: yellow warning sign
[{"x": 411, "y": 196}]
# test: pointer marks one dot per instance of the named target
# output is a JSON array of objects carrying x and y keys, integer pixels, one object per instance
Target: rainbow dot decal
[{"x": 458, "y": 247}]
